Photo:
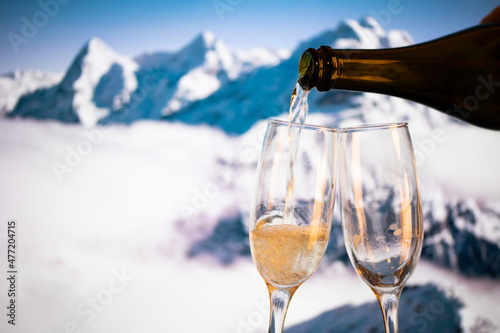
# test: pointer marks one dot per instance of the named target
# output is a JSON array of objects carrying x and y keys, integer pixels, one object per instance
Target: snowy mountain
[
  {"x": 266, "y": 92},
  {"x": 363, "y": 34},
  {"x": 194, "y": 73},
  {"x": 103, "y": 86},
  {"x": 204, "y": 82},
  {"x": 98, "y": 80}
]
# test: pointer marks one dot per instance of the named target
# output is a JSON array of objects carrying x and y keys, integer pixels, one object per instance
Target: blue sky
[{"x": 132, "y": 27}]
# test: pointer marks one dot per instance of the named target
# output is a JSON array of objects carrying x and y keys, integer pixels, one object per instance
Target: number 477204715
[{"x": 11, "y": 247}]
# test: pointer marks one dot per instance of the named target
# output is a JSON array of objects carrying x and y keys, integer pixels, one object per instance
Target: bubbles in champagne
[{"x": 286, "y": 255}]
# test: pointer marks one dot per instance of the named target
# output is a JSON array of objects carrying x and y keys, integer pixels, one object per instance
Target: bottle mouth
[
  {"x": 308, "y": 67},
  {"x": 317, "y": 69}
]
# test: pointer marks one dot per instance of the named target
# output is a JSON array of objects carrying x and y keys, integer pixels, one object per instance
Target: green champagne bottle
[{"x": 458, "y": 74}]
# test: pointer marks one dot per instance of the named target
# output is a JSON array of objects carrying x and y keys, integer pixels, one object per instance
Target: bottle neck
[
  {"x": 375, "y": 71},
  {"x": 356, "y": 70},
  {"x": 458, "y": 74},
  {"x": 440, "y": 81}
]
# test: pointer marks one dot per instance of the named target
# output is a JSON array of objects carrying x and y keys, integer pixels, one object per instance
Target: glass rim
[
  {"x": 302, "y": 126},
  {"x": 372, "y": 127}
]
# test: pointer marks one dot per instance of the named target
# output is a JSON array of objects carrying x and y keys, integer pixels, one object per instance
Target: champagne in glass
[
  {"x": 380, "y": 209},
  {"x": 288, "y": 244},
  {"x": 287, "y": 255}
]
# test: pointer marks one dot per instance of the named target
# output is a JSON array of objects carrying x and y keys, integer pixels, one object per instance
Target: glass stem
[
  {"x": 389, "y": 305},
  {"x": 279, "y": 305}
]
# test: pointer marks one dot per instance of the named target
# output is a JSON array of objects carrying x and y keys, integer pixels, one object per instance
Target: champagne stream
[{"x": 297, "y": 114}]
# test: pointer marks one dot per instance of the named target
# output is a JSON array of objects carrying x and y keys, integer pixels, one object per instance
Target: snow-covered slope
[
  {"x": 192, "y": 74},
  {"x": 98, "y": 81},
  {"x": 366, "y": 33},
  {"x": 17, "y": 83}
]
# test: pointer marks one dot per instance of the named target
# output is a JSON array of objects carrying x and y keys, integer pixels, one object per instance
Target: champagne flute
[
  {"x": 380, "y": 209},
  {"x": 290, "y": 219}
]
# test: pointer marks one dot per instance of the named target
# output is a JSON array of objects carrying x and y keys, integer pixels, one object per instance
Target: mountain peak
[
  {"x": 94, "y": 55},
  {"x": 372, "y": 24},
  {"x": 96, "y": 45},
  {"x": 101, "y": 81},
  {"x": 365, "y": 33},
  {"x": 365, "y": 28},
  {"x": 208, "y": 37},
  {"x": 204, "y": 41}
]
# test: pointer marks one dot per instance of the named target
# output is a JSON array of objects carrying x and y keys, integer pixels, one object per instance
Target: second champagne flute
[{"x": 380, "y": 209}]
